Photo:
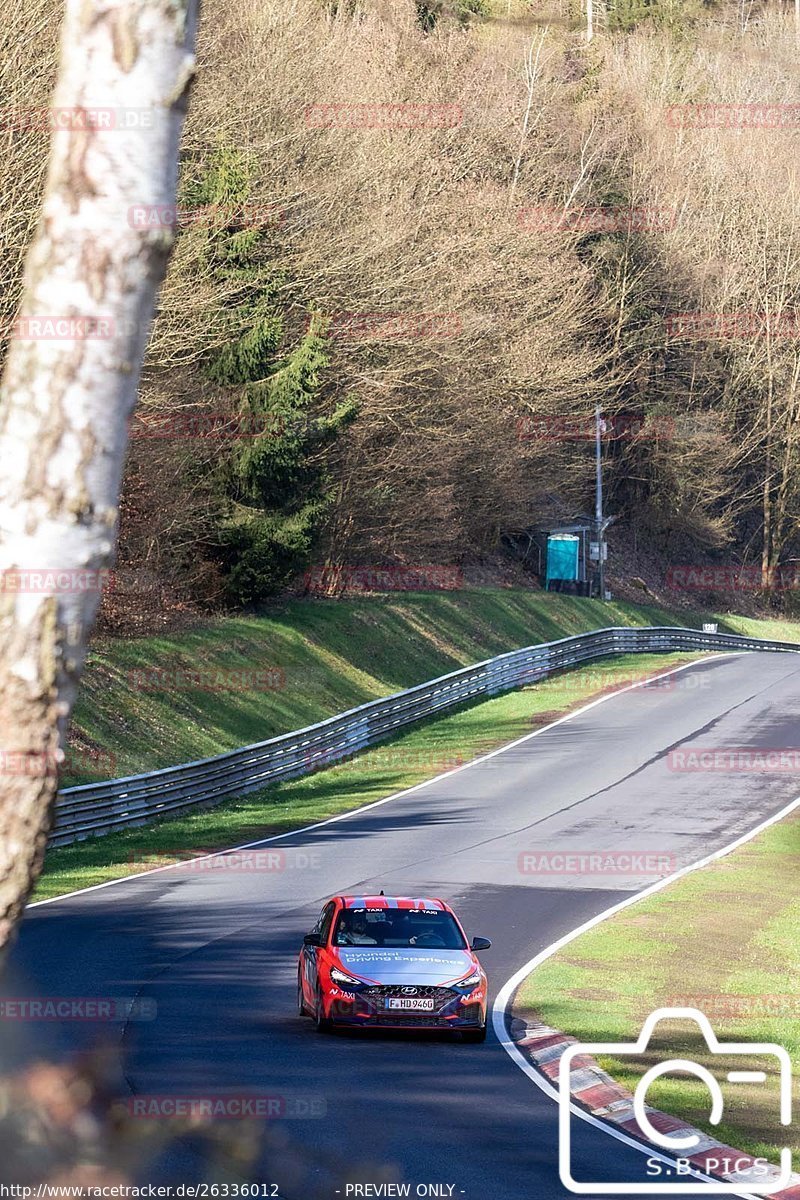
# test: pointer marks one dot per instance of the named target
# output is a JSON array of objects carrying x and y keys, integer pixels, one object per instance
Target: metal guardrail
[{"x": 99, "y": 808}]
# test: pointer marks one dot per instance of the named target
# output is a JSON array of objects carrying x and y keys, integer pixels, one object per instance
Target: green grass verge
[
  {"x": 726, "y": 940},
  {"x": 334, "y": 654},
  {"x": 426, "y": 750}
]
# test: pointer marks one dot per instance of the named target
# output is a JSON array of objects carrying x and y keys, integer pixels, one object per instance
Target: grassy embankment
[{"x": 334, "y": 654}]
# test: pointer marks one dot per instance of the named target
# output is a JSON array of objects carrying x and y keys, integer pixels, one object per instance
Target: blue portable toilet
[{"x": 562, "y": 559}]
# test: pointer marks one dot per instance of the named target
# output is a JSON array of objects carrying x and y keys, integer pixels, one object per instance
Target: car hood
[{"x": 434, "y": 967}]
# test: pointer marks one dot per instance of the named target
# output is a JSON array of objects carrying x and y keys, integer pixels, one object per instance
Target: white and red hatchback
[{"x": 392, "y": 962}]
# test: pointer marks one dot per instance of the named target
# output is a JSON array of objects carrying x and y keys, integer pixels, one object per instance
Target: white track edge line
[
  {"x": 715, "y": 656},
  {"x": 503, "y": 999}
]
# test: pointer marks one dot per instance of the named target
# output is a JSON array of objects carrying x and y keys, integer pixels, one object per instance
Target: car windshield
[{"x": 425, "y": 928}]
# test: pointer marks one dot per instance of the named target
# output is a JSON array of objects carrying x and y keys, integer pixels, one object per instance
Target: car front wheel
[{"x": 323, "y": 1024}]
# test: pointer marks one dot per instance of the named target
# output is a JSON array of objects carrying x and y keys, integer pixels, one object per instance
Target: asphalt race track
[{"x": 216, "y": 949}]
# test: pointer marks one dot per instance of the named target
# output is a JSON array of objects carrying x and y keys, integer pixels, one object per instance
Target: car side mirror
[
  {"x": 312, "y": 939},
  {"x": 480, "y": 944}
]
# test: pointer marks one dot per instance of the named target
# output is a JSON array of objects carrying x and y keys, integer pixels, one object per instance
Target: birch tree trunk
[{"x": 71, "y": 381}]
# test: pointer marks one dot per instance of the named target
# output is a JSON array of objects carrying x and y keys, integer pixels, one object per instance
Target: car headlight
[
  {"x": 344, "y": 979},
  {"x": 471, "y": 980}
]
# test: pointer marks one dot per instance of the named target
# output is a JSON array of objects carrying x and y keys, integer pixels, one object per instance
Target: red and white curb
[{"x": 595, "y": 1091}]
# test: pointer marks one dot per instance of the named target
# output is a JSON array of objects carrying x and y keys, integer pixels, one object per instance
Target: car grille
[
  {"x": 442, "y": 996},
  {"x": 471, "y": 1014},
  {"x": 409, "y": 1020}
]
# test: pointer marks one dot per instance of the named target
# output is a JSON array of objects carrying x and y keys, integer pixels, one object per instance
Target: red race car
[{"x": 392, "y": 962}]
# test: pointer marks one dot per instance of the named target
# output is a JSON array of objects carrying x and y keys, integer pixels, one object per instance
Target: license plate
[{"x": 411, "y": 1003}]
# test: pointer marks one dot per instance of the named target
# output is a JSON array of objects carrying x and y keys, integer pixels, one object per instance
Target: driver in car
[{"x": 357, "y": 934}]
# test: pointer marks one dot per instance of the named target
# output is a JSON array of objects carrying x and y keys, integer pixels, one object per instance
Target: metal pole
[{"x": 598, "y": 510}]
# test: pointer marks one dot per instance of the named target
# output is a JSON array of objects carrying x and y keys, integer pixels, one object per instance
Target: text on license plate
[{"x": 418, "y": 1003}]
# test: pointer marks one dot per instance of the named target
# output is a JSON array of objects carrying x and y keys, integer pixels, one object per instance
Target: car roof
[{"x": 393, "y": 902}]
